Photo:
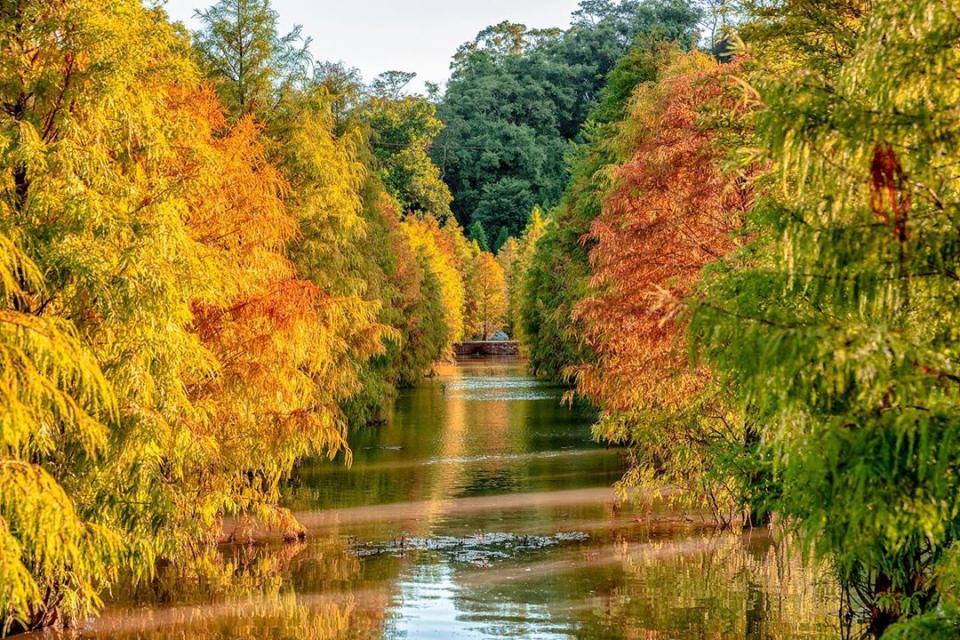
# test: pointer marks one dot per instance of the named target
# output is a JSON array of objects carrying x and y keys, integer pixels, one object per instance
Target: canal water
[{"x": 482, "y": 509}]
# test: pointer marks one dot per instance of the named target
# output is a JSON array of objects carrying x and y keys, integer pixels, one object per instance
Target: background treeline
[
  {"x": 517, "y": 100},
  {"x": 753, "y": 272},
  {"x": 215, "y": 254}
]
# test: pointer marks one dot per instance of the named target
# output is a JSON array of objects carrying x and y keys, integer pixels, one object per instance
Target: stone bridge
[{"x": 487, "y": 348}]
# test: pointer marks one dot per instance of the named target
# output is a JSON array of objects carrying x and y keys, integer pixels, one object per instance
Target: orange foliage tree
[
  {"x": 268, "y": 397},
  {"x": 671, "y": 212}
]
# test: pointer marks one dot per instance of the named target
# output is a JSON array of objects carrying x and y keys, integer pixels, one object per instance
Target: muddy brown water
[{"x": 482, "y": 509}]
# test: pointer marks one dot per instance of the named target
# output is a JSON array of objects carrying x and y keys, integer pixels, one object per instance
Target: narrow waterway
[{"x": 482, "y": 509}]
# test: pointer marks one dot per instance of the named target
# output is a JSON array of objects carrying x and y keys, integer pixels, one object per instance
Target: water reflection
[{"x": 482, "y": 510}]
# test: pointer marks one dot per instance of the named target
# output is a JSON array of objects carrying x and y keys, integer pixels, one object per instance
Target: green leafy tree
[
  {"x": 501, "y": 239},
  {"x": 401, "y": 280},
  {"x": 604, "y": 31},
  {"x": 391, "y": 84},
  {"x": 241, "y": 49},
  {"x": 344, "y": 88},
  {"x": 837, "y": 325},
  {"x": 518, "y": 98},
  {"x": 505, "y": 205},
  {"x": 502, "y": 150},
  {"x": 402, "y": 129},
  {"x": 479, "y": 235}
]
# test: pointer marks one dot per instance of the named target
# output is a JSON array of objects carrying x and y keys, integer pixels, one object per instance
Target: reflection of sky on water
[
  {"x": 430, "y": 604},
  {"x": 499, "y": 389}
]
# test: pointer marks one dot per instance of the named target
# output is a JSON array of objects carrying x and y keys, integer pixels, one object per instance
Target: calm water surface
[{"x": 481, "y": 510}]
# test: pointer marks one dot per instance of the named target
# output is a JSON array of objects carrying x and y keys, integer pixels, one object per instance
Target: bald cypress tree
[
  {"x": 838, "y": 323},
  {"x": 243, "y": 52}
]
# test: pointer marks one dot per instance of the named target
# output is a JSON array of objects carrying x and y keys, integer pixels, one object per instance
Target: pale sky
[{"x": 407, "y": 35}]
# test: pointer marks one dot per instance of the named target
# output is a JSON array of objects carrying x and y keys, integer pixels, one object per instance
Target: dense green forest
[
  {"x": 731, "y": 226},
  {"x": 518, "y": 98}
]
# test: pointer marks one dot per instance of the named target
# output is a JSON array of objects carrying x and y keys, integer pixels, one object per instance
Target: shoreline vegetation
[{"x": 731, "y": 226}]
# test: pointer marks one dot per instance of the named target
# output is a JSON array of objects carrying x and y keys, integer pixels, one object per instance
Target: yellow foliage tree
[
  {"x": 171, "y": 364},
  {"x": 326, "y": 178},
  {"x": 91, "y": 191},
  {"x": 516, "y": 263},
  {"x": 261, "y": 409},
  {"x": 185, "y": 304},
  {"x": 435, "y": 248},
  {"x": 489, "y": 296}
]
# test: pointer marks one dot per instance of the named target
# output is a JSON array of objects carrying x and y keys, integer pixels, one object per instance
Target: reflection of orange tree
[
  {"x": 453, "y": 445},
  {"x": 249, "y": 592},
  {"x": 283, "y": 616},
  {"x": 472, "y": 428},
  {"x": 728, "y": 587},
  {"x": 491, "y": 426}
]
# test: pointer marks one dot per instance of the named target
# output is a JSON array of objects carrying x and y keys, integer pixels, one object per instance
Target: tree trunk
[{"x": 882, "y": 619}]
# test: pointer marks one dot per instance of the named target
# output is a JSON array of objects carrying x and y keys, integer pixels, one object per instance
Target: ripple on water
[{"x": 493, "y": 389}]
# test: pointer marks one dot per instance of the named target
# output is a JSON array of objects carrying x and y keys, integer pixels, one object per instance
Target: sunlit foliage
[
  {"x": 440, "y": 262},
  {"x": 105, "y": 266},
  {"x": 837, "y": 325},
  {"x": 47, "y": 378},
  {"x": 214, "y": 258},
  {"x": 186, "y": 306},
  {"x": 516, "y": 258},
  {"x": 671, "y": 211},
  {"x": 271, "y": 399},
  {"x": 488, "y": 297}
]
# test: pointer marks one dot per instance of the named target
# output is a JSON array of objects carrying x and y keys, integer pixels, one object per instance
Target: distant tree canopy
[
  {"x": 518, "y": 97},
  {"x": 402, "y": 128}
]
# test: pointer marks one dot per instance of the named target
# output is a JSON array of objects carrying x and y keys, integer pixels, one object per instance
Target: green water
[{"x": 482, "y": 509}]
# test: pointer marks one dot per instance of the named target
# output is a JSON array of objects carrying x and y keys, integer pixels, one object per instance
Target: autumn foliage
[
  {"x": 770, "y": 321},
  {"x": 672, "y": 210},
  {"x": 488, "y": 308},
  {"x": 270, "y": 332},
  {"x": 196, "y": 293},
  {"x": 216, "y": 257}
]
